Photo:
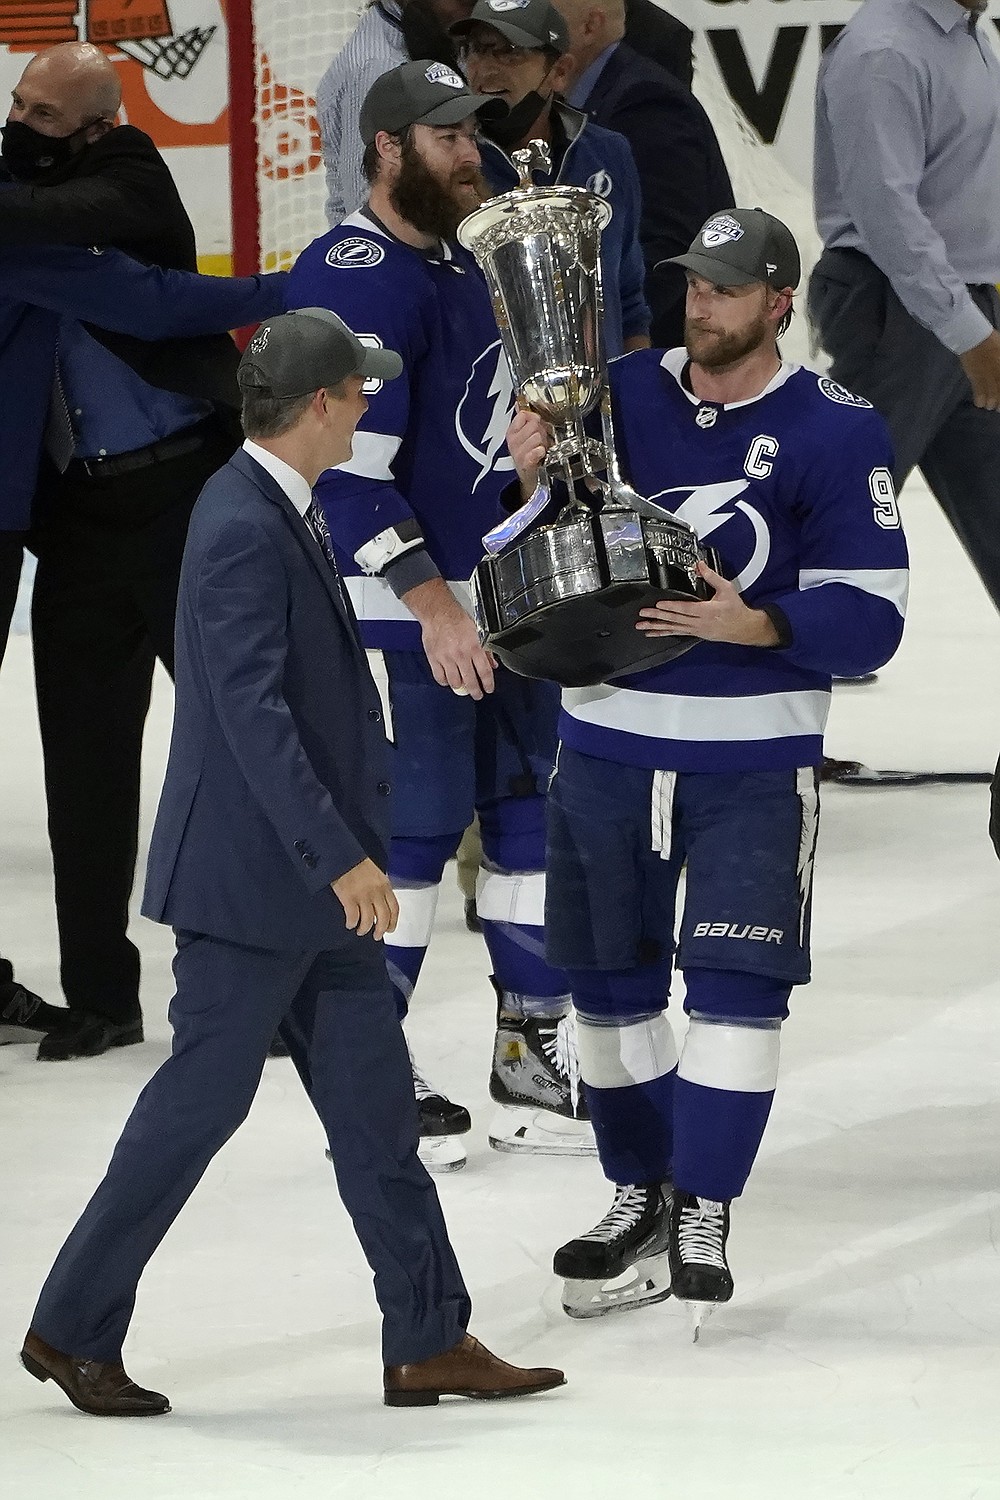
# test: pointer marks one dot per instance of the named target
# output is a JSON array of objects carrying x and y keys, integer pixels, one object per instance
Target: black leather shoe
[
  {"x": 472, "y": 921},
  {"x": 102, "y": 1390},
  {"x": 25, "y": 1016},
  {"x": 87, "y": 1035}
]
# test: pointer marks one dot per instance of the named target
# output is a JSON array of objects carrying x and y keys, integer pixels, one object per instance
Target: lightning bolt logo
[
  {"x": 708, "y": 506},
  {"x": 501, "y": 394}
]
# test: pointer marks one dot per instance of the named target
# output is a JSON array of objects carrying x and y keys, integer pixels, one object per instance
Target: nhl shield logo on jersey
[
  {"x": 441, "y": 73},
  {"x": 706, "y": 416},
  {"x": 484, "y": 413},
  {"x": 720, "y": 229},
  {"x": 833, "y": 391},
  {"x": 355, "y": 254}
]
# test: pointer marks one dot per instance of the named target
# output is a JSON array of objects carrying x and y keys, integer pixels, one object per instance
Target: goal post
[{"x": 278, "y": 52}]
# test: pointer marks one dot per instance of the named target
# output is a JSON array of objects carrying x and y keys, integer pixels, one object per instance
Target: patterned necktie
[{"x": 317, "y": 525}]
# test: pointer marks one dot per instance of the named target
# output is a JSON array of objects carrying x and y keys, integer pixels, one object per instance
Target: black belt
[{"x": 188, "y": 441}]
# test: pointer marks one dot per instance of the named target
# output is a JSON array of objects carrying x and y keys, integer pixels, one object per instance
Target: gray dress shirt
[
  {"x": 375, "y": 47},
  {"x": 907, "y": 157}
]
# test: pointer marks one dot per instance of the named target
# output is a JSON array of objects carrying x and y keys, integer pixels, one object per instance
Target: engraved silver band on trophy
[{"x": 561, "y": 600}]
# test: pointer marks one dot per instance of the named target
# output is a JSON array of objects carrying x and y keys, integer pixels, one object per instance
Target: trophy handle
[{"x": 534, "y": 157}]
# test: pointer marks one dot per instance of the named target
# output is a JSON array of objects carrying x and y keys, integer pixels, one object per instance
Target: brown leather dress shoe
[
  {"x": 103, "y": 1390},
  {"x": 467, "y": 1370}
]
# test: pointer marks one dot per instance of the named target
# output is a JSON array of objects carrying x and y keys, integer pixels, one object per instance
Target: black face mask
[
  {"x": 27, "y": 154},
  {"x": 517, "y": 122}
]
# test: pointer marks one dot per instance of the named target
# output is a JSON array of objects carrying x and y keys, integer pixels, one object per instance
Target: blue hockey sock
[
  {"x": 725, "y": 1086},
  {"x": 511, "y": 907},
  {"x": 405, "y": 948},
  {"x": 628, "y": 1066}
]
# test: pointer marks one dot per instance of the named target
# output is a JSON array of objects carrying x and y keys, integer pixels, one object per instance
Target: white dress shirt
[{"x": 291, "y": 481}]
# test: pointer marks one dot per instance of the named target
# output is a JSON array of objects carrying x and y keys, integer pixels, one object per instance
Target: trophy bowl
[{"x": 560, "y": 599}]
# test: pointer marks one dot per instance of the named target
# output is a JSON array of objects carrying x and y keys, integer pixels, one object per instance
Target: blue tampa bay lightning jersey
[
  {"x": 794, "y": 490},
  {"x": 430, "y": 455}
]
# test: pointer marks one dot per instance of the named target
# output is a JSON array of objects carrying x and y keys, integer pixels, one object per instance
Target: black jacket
[
  {"x": 681, "y": 171},
  {"x": 119, "y": 192},
  {"x": 661, "y": 37}
]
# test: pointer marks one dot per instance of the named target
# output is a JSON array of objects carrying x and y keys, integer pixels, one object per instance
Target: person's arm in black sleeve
[{"x": 107, "y": 208}]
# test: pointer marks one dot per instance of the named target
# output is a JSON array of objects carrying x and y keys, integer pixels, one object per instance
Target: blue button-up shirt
[
  {"x": 907, "y": 157},
  {"x": 111, "y": 409},
  {"x": 584, "y": 85}
]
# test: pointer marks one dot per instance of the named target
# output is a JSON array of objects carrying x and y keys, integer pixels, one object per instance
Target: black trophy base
[{"x": 590, "y": 639}]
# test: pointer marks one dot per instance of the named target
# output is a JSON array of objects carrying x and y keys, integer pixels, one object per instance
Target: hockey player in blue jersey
[
  {"x": 407, "y": 516},
  {"x": 517, "y": 51},
  {"x": 710, "y": 761}
]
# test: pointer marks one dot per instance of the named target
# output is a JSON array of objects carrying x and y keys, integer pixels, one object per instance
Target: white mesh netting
[{"x": 295, "y": 40}]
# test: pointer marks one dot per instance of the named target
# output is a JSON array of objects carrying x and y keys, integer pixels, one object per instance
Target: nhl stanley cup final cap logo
[
  {"x": 721, "y": 230},
  {"x": 441, "y": 73}
]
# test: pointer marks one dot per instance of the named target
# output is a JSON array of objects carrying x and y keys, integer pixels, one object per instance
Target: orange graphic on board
[
  {"x": 290, "y": 143},
  {"x": 121, "y": 20},
  {"x": 138, "y": 36}
]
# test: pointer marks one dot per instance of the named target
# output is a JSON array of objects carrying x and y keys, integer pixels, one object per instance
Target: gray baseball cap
[
  {"x": 526, "y": 23},
  {"x": 309, "y": 350},
  {"x": 742, "y": 245},
  {"x": 421, "y": 93}
]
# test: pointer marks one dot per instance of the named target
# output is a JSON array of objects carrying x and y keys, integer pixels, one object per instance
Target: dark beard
[
  {"x": 425, "y": 202},
  {"x": 424, "y": 35},
  {"x": 729, "y": 348}
]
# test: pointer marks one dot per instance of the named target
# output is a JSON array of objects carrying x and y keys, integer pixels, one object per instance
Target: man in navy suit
[
  {"x": 268, "y": 859},
  {"x": 681, "y": 171}
]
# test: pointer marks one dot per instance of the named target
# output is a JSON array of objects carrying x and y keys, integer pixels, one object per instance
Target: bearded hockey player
[
  {"x": 407, "y": 516},
  {"x": 710, "y": 761}
]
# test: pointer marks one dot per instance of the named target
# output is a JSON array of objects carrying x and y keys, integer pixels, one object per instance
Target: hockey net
[{"x": 279, "y": 50}]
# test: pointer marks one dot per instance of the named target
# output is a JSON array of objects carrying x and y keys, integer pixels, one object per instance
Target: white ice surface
[{"x": 858, "y": 1359}]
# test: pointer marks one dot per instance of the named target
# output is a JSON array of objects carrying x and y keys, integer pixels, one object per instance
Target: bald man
[{"x": 135, "y": 430}]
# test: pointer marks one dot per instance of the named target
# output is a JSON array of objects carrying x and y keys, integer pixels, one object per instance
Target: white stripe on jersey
[
  {"x": 887, "y": 583},
  {"x": 672, "y": 716},
  {"x": 371, "y": 455},
  {"x": 373, "y": 599}
]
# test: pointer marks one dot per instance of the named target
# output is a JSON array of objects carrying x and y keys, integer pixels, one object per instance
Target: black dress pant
[
  {"x": 11, "y": 558},
  {"x": 922, "y": 391},
  {"x": 109, "y": 555}
]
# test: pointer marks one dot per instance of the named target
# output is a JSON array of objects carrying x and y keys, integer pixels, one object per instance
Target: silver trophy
[{"x": 560, "y": 600}]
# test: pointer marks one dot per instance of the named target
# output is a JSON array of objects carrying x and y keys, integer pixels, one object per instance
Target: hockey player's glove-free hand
[
  {"x": 450, "y": 639},
  {"x": 722, "y": 618}
]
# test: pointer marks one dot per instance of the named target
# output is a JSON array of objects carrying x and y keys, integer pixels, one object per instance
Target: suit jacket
[
  {"x": 660, "y": 37},
  {"x": 110, "y": 290},
  {"x": 681, "y": 172},
  {"x": 119, "y": 192},
  {"x": 277, "y": 781}
]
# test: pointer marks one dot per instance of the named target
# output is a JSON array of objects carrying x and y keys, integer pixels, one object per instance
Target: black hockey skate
[
  {"x": 536, "y": 1081},
  {"x": 630, "y": 1241},
  {"x": 699, "y": 1271},
  {"x": 441, "y": 1122}
]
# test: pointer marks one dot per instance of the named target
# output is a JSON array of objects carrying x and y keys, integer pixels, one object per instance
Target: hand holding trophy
[{"x": 560, "y": 600}]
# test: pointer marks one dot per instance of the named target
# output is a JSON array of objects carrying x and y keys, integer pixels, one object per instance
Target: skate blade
[
  {"x": 536, "y": 1132},
  {"x": 441, "y": 1153},
  {"x": 699, "y": 1313},
  {"x": 642, "y": 1285}
]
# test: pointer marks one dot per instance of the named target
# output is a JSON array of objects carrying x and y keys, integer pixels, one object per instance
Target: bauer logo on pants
[{"x": 734, "y": 930}]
